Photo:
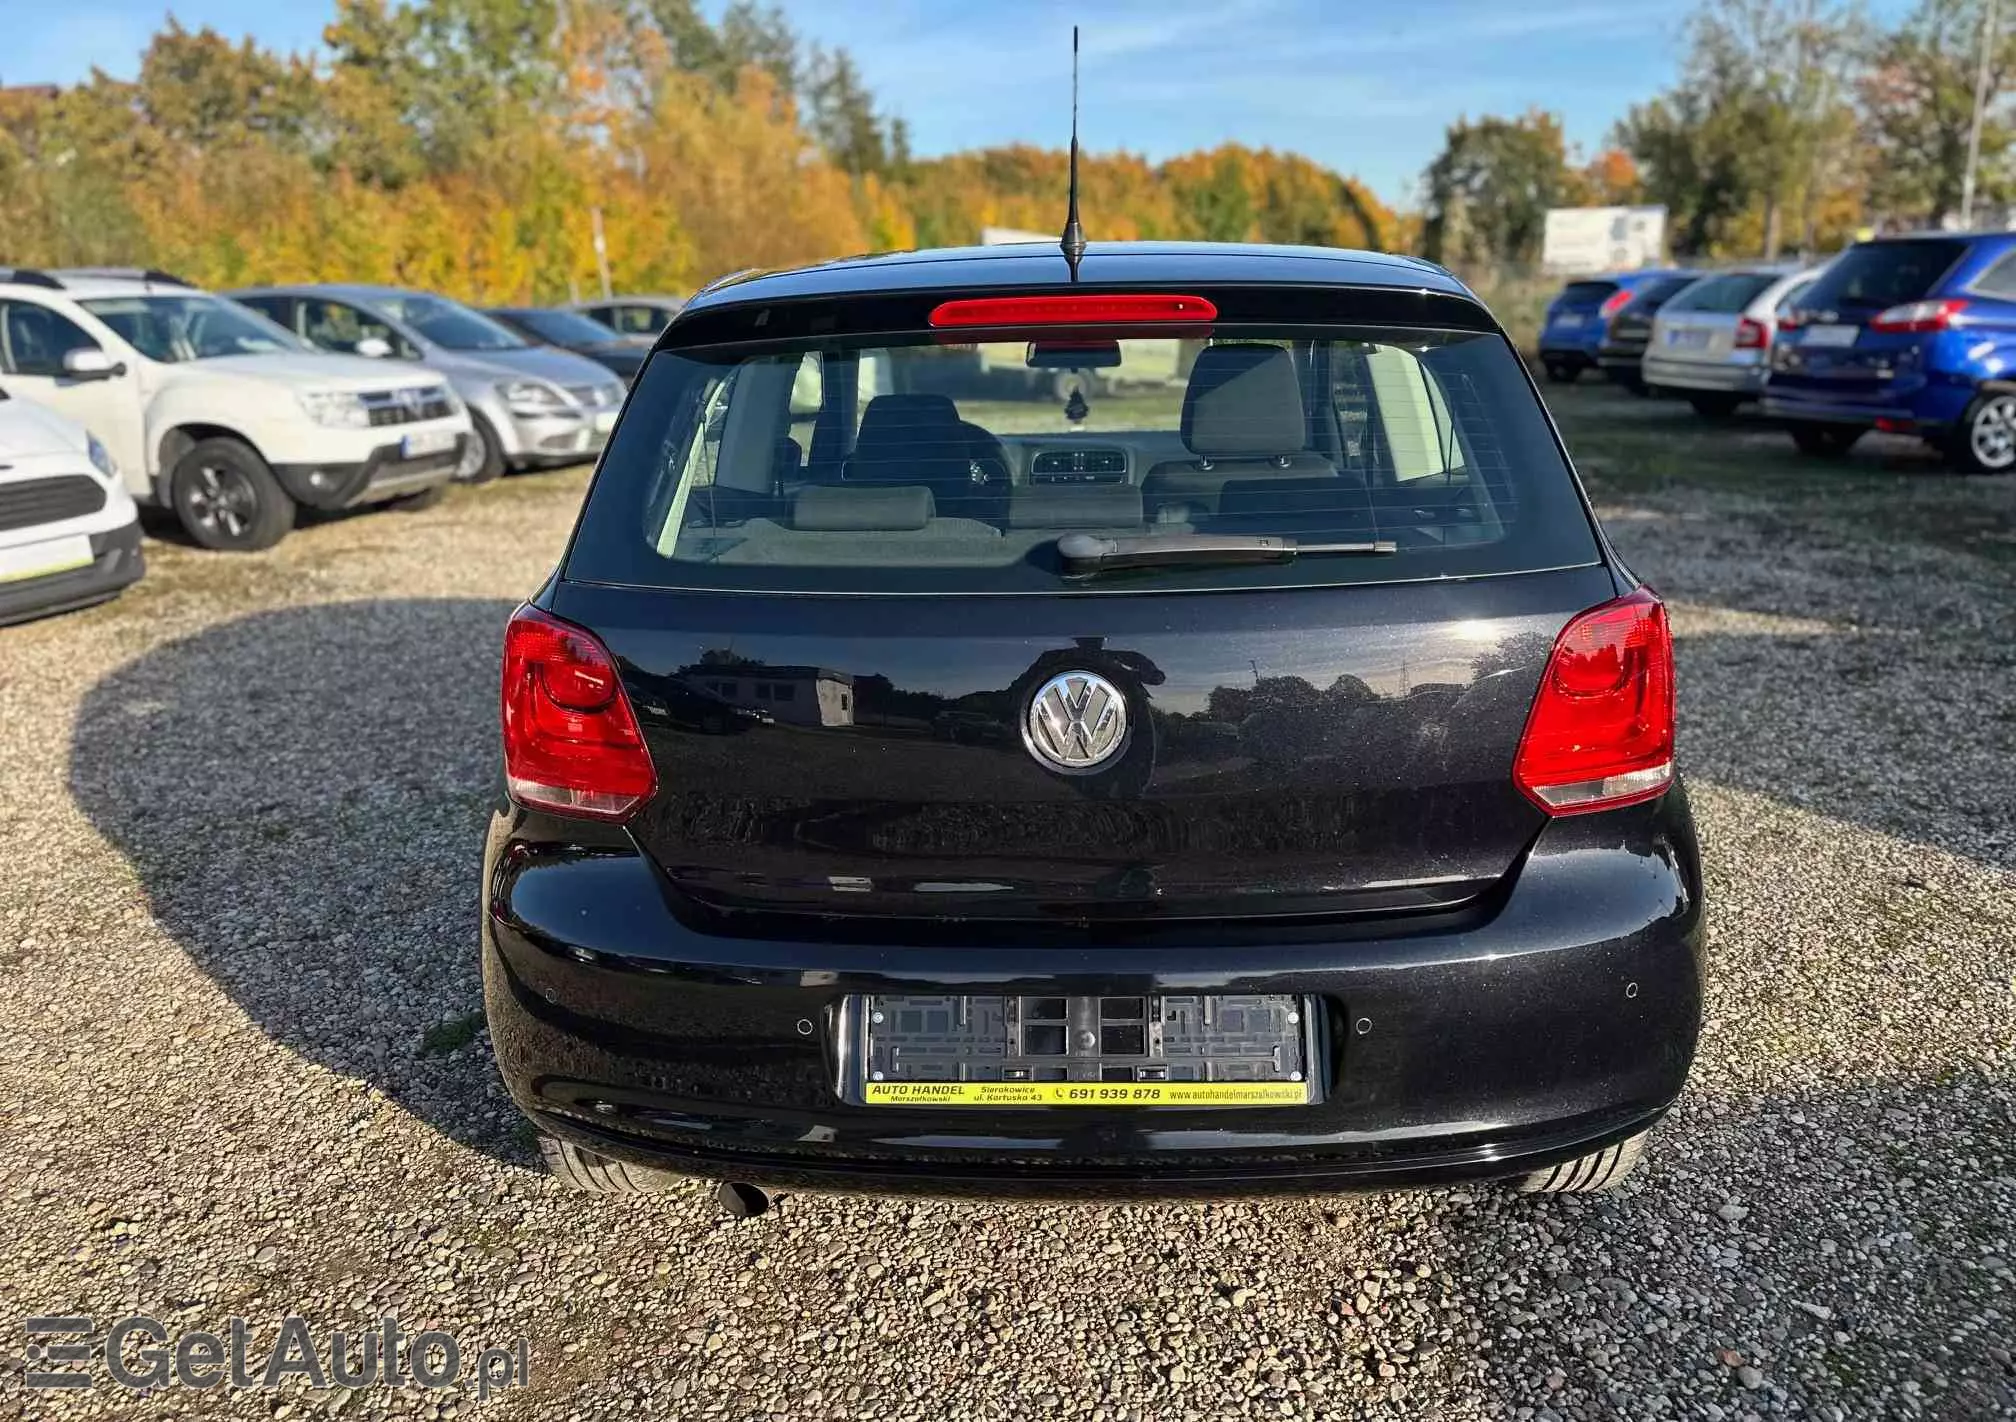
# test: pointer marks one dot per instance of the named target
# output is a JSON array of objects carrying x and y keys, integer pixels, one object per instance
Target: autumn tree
[
  {"x": 1490, "y": 187},
  {"x": 1917, "y": 102}
]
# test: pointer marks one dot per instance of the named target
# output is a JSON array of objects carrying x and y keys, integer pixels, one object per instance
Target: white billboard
[
  {"x": 1603, "y": 239},
  {"x": 1003, "y": 236}
]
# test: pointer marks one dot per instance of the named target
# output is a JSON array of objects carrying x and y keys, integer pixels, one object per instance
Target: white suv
[
  {"x": 213, "y": 411},
  {"x": 69, "y": 534}
]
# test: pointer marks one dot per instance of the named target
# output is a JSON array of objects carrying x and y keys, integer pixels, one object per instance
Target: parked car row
[
  {"x": 1908, "y": 335},
  {"x": 129, "y": 388}
]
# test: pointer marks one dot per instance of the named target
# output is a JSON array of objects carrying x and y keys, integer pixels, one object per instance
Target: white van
[{"x": 215, "y": 412}]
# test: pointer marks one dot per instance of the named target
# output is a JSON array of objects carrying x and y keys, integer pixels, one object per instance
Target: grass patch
[
  {"x": 451, "y": 1035},
  {"x": 1889, "y": 489}
]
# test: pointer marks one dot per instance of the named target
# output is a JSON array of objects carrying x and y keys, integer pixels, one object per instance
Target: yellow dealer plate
[{"x": 1086, "y": 1093}]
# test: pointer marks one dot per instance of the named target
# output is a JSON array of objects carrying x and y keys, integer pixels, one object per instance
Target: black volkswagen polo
[{"x": 1168, "y": 723}]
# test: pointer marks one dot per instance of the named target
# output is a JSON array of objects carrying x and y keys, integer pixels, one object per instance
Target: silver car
[
  {"x": 1712, "y": 342},
  {"x": 532, "y": 406}
]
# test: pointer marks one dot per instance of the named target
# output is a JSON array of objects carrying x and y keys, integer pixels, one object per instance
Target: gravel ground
[{"x": 241, "y": 1070}]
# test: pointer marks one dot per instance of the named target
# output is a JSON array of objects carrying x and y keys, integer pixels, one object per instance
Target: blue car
[
  {"x": 1910, "y": 335},
  {"x": 1579, "y": 317}
]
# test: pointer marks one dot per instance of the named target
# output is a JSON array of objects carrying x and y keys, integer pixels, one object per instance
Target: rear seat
[
  {"x": 1110, "y": 506},
  {"x": 1243, "y": 419},
  {"x": 1337, "y": 509},
  {"x": 888, "y": 508}
]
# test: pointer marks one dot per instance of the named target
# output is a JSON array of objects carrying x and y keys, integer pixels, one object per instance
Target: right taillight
[
  {"x": 1752, "y": 334},
  {"x": 1616, "y": 301},
  {"x": 571, "y": 743},
  {"x": 1918, "y": 316},
  {"x": 1600, "y": 733}
]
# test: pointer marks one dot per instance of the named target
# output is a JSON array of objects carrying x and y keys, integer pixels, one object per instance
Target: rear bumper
[
  {"x": 1486, "y": 1042},
  {"x": 1925, "y": 408},
  {"x": 1622, "y": 360},
  {"x": 1563, "y": 351},
  {"x": 543, "y": 440},
  {"x": 384, "y": 475},
  {"x": 116, "y": 563},
  {"x": 1716, "y": 376}
]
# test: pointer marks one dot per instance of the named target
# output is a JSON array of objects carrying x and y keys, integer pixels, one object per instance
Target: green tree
[
  {"x": 1490, "y": 187},
  {"x": 1917, "y": 100},
  {"x": 1760, "y": 121}
]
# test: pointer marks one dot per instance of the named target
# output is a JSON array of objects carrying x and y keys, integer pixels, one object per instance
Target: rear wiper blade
[{"x": 1083, "y": 553}]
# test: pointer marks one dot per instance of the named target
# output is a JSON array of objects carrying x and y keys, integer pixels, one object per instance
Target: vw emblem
[{"x": 1076, "y": 722}]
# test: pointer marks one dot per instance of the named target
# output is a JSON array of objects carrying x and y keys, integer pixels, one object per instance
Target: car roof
[
  {"x": 79, "y": 285},
  {"x": 354, "y": 291},
  {"x": 1032, "y": 264},
  {"x": 1936, "y": 235}
]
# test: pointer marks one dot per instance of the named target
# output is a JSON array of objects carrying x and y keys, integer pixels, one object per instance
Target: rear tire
[
  {"x": 486, "y": 461},
  {"x": 1984, "y": 441},
  {"x": 1826, "y": 441},
  {"x": 1589, "y": 1174},
  {"x": 226, "y": 497},
  {"x": 1714, "y": 407},
  {"x": 1562, "y": 372},
  {"x": 599, "y": 1175}
]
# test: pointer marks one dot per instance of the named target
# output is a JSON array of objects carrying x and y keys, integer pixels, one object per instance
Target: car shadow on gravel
[{"x": 302, "y": 796}]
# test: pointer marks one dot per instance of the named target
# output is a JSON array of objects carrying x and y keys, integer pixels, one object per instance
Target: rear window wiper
[{"x": 1084, "y": 553}]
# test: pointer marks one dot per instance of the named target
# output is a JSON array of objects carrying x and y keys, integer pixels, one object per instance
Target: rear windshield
[
  {"x": 1655, "y": 294},
  {"x": 1882, "y": 274},
  {"x": 1722, "y": 295},
  {"x": 913, "y": 465},
  {"x": 1585, "y": 293}
]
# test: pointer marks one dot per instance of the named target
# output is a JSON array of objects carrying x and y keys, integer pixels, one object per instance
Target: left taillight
[
  {"x": 571, "y": 743},
  {"x": 1600, "y": 733},
  {"x": 1914, "y": 316}
]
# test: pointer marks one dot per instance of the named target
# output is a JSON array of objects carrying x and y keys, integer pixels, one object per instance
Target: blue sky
[{"x": 1365, "y": 86}]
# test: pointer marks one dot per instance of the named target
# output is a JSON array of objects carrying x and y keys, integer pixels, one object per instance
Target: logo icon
[{"x": 1076, "y": 722}]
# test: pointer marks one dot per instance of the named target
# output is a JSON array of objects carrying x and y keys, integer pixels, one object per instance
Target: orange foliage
[{"x": 233, "y": 166}]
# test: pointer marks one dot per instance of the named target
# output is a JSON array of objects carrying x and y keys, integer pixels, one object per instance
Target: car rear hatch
[
  {"x": 1828, "y": 348},
  {"x": 1631, "y": 327},
  {"x": 1702, "y": 325},
  {"x": 830, "y": 570},
  {"x": 1574, "y": 317}
]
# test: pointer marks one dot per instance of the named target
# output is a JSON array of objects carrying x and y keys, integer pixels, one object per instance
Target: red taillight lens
[
  {"x": 1616, "y": 301},
  {"x": 1118, "y": 308},
  {"x": 1752, "y": 335},
  {"x": 1600, "y": 733},
  {"x": 571, "y": 743},
  {"x": 1918, "y": 316}
]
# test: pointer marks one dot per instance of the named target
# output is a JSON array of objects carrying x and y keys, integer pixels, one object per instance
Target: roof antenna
[{"x": 1074, "y": 235}]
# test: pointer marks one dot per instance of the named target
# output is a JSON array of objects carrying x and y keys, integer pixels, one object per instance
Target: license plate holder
[
  {"x": 41, "y": 560},
  {"x": 1830, "y": 336},
  {"x": 1133, "y": 1051},
  {"x": 425, "y": 442}
]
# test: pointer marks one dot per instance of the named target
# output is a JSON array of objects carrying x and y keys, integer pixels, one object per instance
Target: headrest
[
  {"x": 1243, "y": 402},
  {"x": 896, "y": 416},
  {"x": 1108, "y": 506},
  {"x": 830, "y": 509}
]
